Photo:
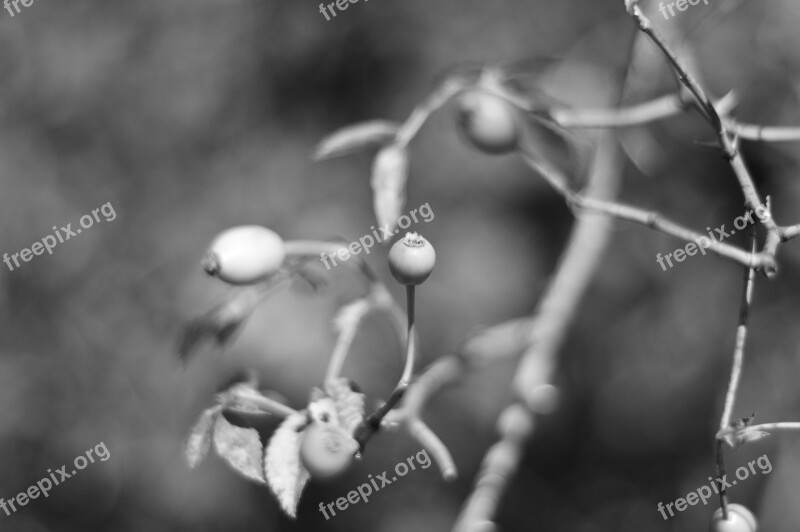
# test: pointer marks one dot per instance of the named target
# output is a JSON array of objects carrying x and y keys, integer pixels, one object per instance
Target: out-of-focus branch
[
  {"x": 545, "y": 335},
  {"x": 643, "y": 113}
]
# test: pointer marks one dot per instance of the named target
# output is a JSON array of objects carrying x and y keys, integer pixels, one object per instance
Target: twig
[
  {"x": 736, "y": 373},
  {"x": 738, "y": 351},
  {"x": 255, "y": 399},
  {"x": 763, "y": 133},
  {"x": 643, "y": 113},
  {"x": 544, "y": 336},
  {"x": 767, "y": 427},
  {"x": 729, "y": 147},
  {"x": 764, "y": 261}
]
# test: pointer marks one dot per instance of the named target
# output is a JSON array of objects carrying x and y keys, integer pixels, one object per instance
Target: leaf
[
  {"x": 285, "y": 474},
  {"x": 349, "y": 403},
  {"x": 356, "y": 137},
  {"x": 389, "y": 176},
  {"x": 199, "y": 441},
  {"x": 240, "y": 447}
]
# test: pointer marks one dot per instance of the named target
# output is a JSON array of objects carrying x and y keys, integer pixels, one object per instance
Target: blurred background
[{"x": 193, "y": 116}]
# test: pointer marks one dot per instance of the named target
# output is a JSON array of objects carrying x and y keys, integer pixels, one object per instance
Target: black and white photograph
[{"x": 399, "y": 266}]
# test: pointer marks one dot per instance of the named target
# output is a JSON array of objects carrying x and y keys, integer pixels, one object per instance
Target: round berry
[
  {"x": 326, "y": 450},
  {"x": 245, "y": 254},
  {"x": 488, "y": 121},
  {"x": 411, "y": 259},
  {"x": 740, "y": 519}
]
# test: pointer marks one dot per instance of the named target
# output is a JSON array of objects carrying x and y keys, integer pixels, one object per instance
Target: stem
[
  {"x": 660, "y": 108},
  {"x": 765, "y": 260},
  {"x": 729, "y": 147},
  {"x": 764, "y": 133},
  {"x": 266, "y": 404},
  {"x": 449, "y": 88},
  {"x": 723, "y": 493},
  {"x": 738, "y": 351},
  {"x": 736, "y": 373},
  {"x": 342, "y": 348},
  {"x": 766, "y": 427},
  {"x": 410, "y": 339},
  {"x": 371, "y": 425}
]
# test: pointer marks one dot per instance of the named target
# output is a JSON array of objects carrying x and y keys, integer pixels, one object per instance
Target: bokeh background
[{"x": 193, "y": 116}]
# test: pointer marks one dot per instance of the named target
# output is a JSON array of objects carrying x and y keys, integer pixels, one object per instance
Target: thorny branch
[{"x": 736, "y": 373}]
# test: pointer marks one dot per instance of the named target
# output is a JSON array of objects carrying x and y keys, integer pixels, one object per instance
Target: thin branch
[
  {"x": 767, "y": 427},
  {"x": 764, "y": 261},
  {"x": 738, "y": 351},
  {"x": 449, "y": 88},
  {"x": 634, "y": 115},
  {"x": 544, "y": 337},
  {"x": 411, "y": 339},
  {"x": 736, "y": 373},
  {"x": 263, "y": 403},
  {"x": 763, "y": 133},
  {"x": 721, "y": 472},
  {"x": 729, "y": 147}
]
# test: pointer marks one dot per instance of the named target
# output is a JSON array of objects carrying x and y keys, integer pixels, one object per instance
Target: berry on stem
[
  {"x": 489, "y": 122},
  {"x": 245, "y": 254},
  {"x": 740, "y": 519},
  {"x": 326, "y": 450},
  {"x": 411, "y": 259}
]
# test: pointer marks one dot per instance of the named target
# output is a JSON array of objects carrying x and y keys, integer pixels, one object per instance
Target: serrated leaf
[
  {"x": 389, "y": 176},
  {"x": 199, "y": 441},
  {"x": 356, "y": 137},
  {"x": 349, "y": 404},
  {"x": 241, "y": 448},
  {"x": 286, "y": 475}
]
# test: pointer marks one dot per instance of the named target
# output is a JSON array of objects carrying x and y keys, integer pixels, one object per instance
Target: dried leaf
[
  {"x": 349, "y": 403},
  {"x": 389, "y": 176},
  {"x": 356, "y": 137},
  {"x": 199, "y": 441},
  {"x": 241, "y": 448},
  {"x": 285, "y": 474}
]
